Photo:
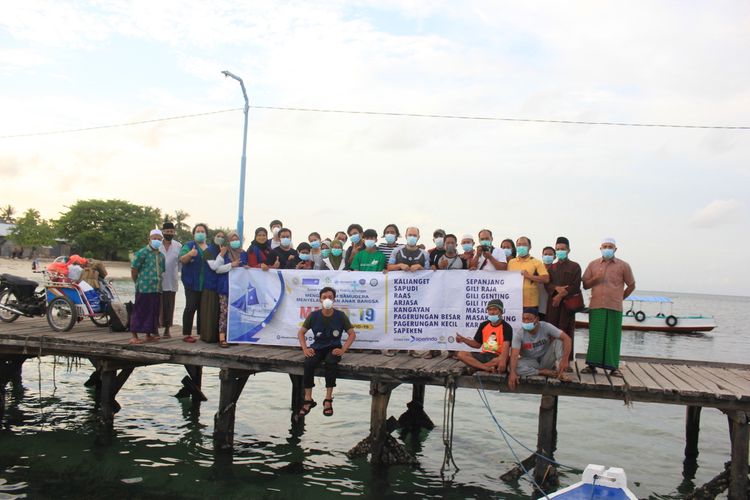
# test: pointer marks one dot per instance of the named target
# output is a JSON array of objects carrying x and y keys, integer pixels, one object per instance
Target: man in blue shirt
[{"x": 328, "y": 326}]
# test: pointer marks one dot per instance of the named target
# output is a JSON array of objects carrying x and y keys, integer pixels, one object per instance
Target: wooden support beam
[
  {"x": 298, "y": 394},
  {"x": 692, "y": 430},
  {"x": 414, "y": 419},
  {"x": 545, "y": 438},
  {"x": 381, "y": 394},
  {"x": 231, "y": 383},
  {"x": 417, "y": 393},
  {"x": 191, "y": 385},
  {"x": 106, "y": 405},
  {"x": 740, "y": 437}
]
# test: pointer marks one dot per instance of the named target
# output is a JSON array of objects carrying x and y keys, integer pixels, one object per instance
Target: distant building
[{"x": 7, "y": 247}]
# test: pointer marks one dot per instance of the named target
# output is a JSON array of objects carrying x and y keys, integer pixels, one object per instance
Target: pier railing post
[
  {"x": 231, "y": 383},
  {"x": 740, "y": 437},
  {"x": 546, "y": 437}
]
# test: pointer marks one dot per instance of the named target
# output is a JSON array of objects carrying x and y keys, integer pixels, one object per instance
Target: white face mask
[
  {"x": 276, "y": 230},
  {"x": 327, "y": 304}
]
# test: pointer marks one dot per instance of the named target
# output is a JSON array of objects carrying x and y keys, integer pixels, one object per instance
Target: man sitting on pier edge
[
  {"x": 328, "y": 325},
  {"x": 493, "y": 338},
  {"x": 537, "y": 349}
]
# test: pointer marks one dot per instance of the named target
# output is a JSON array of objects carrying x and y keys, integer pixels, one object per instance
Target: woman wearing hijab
[
  {"x": 229, "y": 257},
  {"x": 335, "y": 261},
  {"x": 258, "y": 250},
  {"x": 193, "y": 275},
  {"x": 209, "y": 312}
]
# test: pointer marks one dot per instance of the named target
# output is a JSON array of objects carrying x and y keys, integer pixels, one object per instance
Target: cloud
[
  {"x": 21, "y": 58},
  {"x": 717, "y": 213}
]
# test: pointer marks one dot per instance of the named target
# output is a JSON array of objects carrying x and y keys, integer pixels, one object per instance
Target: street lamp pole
[{"x": 241, "y": 210}]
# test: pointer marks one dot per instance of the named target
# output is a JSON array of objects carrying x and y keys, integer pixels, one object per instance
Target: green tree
[
  {"x": 7, "y": 213},
  {"x": 108, "y": 228},
  {"x": 32, "y": 231},
  {"x": 183, "y": 232}
]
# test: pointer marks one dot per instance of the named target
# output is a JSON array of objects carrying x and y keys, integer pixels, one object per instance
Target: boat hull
[{"x": 657, "y": 324}]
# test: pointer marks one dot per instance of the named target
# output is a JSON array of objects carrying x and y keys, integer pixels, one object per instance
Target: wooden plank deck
[{"x": 683, "y": 382}]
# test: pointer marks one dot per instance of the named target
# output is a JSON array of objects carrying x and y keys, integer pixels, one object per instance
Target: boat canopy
[{"x": 650, "y": 298}]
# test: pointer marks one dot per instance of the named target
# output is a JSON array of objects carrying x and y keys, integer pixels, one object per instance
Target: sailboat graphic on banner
[{"x": 253, "y": 309}]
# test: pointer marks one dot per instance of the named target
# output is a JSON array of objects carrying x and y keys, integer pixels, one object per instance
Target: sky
[{"x": 676, "y": 200}]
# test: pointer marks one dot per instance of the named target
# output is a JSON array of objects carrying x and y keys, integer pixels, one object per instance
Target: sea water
[{"x": 52, "y": 446}]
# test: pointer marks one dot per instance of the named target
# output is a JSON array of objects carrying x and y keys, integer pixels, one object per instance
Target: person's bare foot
[
  {"x": 135, "y": 340},
  {"x": 152, "y": 338}
]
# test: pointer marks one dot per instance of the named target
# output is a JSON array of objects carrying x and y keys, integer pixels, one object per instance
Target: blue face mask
[
  {"x": 304, "y": 256},
  {"x": 468, "y": 247},
  {"x": 235, "y": 244},
  {"x": 522, "y": 251},
  {"x": 561, "y": 254},
  {"x": 494, "y": 318},
  {"x": 548, "y": 259},
  {"x": 370, "y": 243},
  {"x": 156, "y": 244},
  {"x": 355, "y": 238},
  {"x": 200, "y": 237},
  {"x": 285, "y": 242},
  {"x": 390, "y": 239},
  {"x": 528, "y": 326},
  {"x": 315, "y": 244},
  {"x": 608, "y": 253},
  {"x": 508, "y": 252},
  {"x": 336, "y": 252},
  {"x": 411, "y": 240},
  {"x": 325, "y": 253},
  {"x": 486, "y": 243}
]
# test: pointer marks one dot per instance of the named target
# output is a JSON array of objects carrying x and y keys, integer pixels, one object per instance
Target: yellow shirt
[{"x": 530, "y": 289}]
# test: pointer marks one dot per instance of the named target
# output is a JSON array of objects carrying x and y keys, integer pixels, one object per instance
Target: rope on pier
[{"x": 449, "y": 406}]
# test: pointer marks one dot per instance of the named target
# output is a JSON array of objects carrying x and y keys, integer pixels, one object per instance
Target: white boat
[
  {"x": 635, "y": 318},
  {"x": 598, "y": 482}
]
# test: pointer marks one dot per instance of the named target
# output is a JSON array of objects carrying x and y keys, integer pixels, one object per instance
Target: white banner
[{"x": 398, "y": 310}]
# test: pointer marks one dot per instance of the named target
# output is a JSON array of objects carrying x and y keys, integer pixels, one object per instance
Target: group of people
[{"x": 551, "y": 292}]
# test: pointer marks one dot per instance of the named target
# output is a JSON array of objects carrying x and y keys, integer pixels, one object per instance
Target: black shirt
[
  {"x": 435, "y": 254},
  {"x": 287, "y": 258}
]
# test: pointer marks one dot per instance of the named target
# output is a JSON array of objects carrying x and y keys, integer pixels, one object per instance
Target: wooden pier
[{"x": 693, "y": 384}]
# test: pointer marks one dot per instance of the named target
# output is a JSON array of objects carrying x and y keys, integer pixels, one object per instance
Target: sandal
[
  {"x": 189, "y": 338},
  {"x": 328, "y": 410},
  {"x": 223, "y": 343},
  {"x": 152, "y": 338},
  {"x": 135, "y": 341},
  {"x": 615, "y": 373},
  {"x": 588, "y": 369},
  {"x": 307, "y": 405}
]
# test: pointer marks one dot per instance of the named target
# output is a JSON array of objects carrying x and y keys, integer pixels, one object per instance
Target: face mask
[
  {"x": 156, "y": 244},
  {"x": 439, "y": 242},
  {"x": 522, "y": 251},
  {"x": 325, "y": 253},
  {"x": 494, "y": 318},
  {"x": 528, "y": 326},
  {"x": 355, "y": 238},
  {"x": 468, "y": 247},
  {"x": 561, "y": 254},
  {"x": 548, "y": 259},
  {"x": 315, "y": 244},
  {"x": 304, "y": 256},
  {"x": 450, "y": 248},
  {"x": 370, "y": 243},
  {"x": 508, "y": 252},
  {"x": 486, "y": 243},
  {"x": 285, "y": 242},
  {"x": 327, "y": 303},
  {"x": 200, "y": 237},
  {"x": 168, "y": 237},
  {"x": 390, "y": 239},
  {"x": 235, "y": 244},
  {"x": 276, "y": 230},
  {"x": 412, "y": 240},
  {"x": 336, "y": 252},
  {"x": 219, "y": 240},
  {"x": 608, "y": 253}
]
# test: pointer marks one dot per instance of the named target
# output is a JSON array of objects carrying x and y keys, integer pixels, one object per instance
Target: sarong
[
  {"x": 209, "y": 316},
  {"x": 167, "y": 308},
  {"x": 605, "y": 335},
  {"x": 145, "y": 316},
  {"x": 223, "y": 310}
]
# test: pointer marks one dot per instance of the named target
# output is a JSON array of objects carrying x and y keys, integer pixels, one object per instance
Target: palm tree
[{"x": 7, "y": 213}]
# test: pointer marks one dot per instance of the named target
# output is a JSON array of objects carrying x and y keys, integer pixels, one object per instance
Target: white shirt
[
  {"x": 499, "y": 255},
  {"x": 170, "y": 281}
]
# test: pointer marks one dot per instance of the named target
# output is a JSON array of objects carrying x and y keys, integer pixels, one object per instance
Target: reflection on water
[{"x": 53, "y": 446}]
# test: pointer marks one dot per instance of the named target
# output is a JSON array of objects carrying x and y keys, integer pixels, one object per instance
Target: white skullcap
[
  {"x": 155, "y": 231},
  {"x": 467, "y": 236},
  {"x": 608, "y": 240}
]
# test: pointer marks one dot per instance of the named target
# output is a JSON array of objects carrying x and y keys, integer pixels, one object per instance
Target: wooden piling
[
  {"x": 231, "y": 383},
  {"x": 740, "y": 437},
  {"x": 298, "y": 394},
  {"x": 381, "y": 394},
  {"x": 417, "y": 393},
  {"x": 545, "y": 438},
  {"x": 107, "y": 394}
]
